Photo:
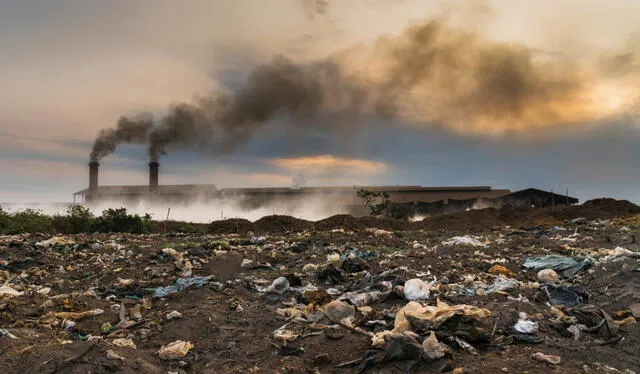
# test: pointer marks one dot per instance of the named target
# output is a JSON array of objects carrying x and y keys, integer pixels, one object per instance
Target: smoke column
[
  {"x": 430, "y": 75},
  {"x": 127, "y": 130},
  {"x": 321, "y": 92}
]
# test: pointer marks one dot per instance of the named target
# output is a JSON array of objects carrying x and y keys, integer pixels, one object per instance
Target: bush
[
  {"x": 376, "y": 202},
  {"x": 78, "y": 219},
  {"x": 117, "y": 220},
  {"x": 28, "y": 220},
  {"x": 4, "y": 221}
]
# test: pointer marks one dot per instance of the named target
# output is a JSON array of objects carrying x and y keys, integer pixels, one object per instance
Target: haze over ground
[{"x": 72, "y": 68}]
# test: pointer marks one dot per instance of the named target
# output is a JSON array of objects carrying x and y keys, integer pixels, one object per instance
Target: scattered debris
[
  {"x": 548, "y": 276},
  {"x": 539, "y": 356},
  {"x": 416, "y": 289},
  {"x": 175, "y": 350},
  {"x": 346, "y": 297},
  {"x": 566, "y": 266}
]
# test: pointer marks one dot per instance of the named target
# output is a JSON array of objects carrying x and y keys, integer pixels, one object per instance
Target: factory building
[{"x": 429, "y": 200}]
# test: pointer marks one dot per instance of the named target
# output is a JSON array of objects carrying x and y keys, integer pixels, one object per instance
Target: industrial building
[{"x": 416, "y": 199}]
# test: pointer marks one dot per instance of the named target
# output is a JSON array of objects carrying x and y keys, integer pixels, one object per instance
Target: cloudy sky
[{"x": 70, "y": 68}]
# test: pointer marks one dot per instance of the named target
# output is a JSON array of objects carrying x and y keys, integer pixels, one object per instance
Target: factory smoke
[
  {"x": 432, "y": 74},
  {"x": 127, "y": 130}
]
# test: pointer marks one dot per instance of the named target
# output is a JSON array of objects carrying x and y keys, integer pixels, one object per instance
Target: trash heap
[{"x": 563, "y": 297}]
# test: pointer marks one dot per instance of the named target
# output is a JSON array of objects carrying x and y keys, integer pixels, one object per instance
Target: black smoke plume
[
  {"x": 431, "y": 74},
  {"x": 127, "y": 130},
  {"x": 300, "y": 93}
]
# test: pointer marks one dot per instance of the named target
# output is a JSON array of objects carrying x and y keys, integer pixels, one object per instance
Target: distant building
[
  {"x": 527, "y": 198},
  {"x": 255, "y": 197},
  {"x": 406, "y": 201}
]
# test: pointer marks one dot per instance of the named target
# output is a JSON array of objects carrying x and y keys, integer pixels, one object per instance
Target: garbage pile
[{"x": 534, "y": 299}]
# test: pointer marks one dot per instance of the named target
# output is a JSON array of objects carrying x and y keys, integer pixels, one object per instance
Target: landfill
[{"x": 336, "y": 296}]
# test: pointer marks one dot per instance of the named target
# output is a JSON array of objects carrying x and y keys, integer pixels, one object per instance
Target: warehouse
[{"x": 344, "y": 196}]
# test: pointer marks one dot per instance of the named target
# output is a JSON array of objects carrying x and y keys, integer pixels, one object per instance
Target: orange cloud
[{"x": 329, "y": 164}]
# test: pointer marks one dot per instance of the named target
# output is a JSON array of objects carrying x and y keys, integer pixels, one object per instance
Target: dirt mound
[
  {"x": 592, "y": 209},
  {"x": 389, "y": 224},
  {"x": 281, "y": 224},
  {"x": 480, "y": 219},
  {"x": 339, "y": 221},
  {"x": 615, "y": 208},
  {"x": 483, "y": 219},
  {"x": 230, "y": 226}
]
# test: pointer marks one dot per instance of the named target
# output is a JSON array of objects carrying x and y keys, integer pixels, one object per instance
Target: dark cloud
[{"x": 430, "y": 75}]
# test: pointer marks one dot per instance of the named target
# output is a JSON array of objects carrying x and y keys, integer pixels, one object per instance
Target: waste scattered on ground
[
  {"x": 450, "y": 294},
  {"x": 566, "y": 266},
  {"x": 175, "y": 350},
  {"x": 551, "y": 359}
]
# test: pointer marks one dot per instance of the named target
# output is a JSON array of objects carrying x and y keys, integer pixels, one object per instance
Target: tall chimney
[
  {"x": 93, "y": 179},
  {"x": 153, "y": 176}
]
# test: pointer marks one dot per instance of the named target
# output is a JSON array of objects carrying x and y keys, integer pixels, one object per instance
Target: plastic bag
[
  {"x": 181, "y": 284},
  {"x": 175, "y": 350},
  {"x": 416, "y": 289},
  {"x": 566, "y": 266}
]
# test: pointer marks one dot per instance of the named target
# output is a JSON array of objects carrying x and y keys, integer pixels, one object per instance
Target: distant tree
[
  {"x": 27, "y": 220},
  {"x": 79, "y": 218},
  {"x": 376, "y": 202},
  {"x": 4, "y": 221},
  {"x": 117, "y": 220}
]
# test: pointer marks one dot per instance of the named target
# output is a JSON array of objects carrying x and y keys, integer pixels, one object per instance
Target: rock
[
  {"x": 458, "y": 371},
  {"x": 548, "y": 276},
  {"x": 334, "y": 332}
]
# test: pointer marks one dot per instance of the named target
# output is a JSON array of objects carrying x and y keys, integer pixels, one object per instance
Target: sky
[{"x": 70, "y": 68}]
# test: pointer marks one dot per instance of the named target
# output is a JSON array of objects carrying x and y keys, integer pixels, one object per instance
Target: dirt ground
[{"x": 67, "y": 304}]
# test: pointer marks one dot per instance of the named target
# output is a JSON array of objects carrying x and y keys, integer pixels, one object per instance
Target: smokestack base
[{"x": 153, "y": 176}]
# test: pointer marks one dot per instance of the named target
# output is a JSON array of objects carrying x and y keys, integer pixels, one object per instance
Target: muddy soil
[{"x": 231, "y": 319}]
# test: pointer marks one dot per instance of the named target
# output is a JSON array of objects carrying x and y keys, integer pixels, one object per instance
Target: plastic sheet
[
  {"x": 566, "y": 266},
  {"x": 181, "y": 284}
]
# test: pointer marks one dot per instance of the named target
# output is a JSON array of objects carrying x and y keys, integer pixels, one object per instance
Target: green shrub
[
  {"x": 78, "y": 219},
  {"x": 5, "y": 220},
  {"x": 376, "y": 202},
  {"x": 28, "y": 220},
  {"x": 117, "y": 220}
]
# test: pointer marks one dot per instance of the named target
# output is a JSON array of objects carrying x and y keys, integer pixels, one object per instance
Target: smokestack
[
  {"x": 93, "y": 179},
  {"x": 153, "y": 176}
]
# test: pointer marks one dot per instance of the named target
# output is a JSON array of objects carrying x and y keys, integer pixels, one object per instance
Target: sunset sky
[{"x": 69, "y": 68}]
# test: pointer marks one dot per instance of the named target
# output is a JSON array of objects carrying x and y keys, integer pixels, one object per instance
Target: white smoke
[{"x": 312, "y": 208}]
